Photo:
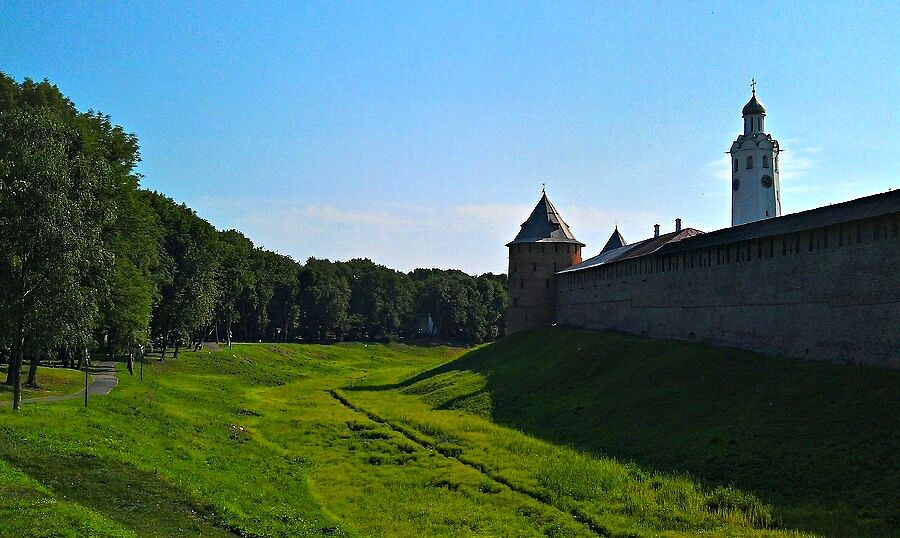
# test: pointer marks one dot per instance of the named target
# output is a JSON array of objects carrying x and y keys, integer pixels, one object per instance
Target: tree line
[{"x": 89, "y": 261}]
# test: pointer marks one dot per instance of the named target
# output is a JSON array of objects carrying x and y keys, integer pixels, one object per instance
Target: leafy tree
[
  {"x": 278, "y": 313},
  {"x": 324, "y": 299},
  {"x": 189, "y": 290},
  {"x": 381, "y": 299},
  {"x": 237, "y": 281},
  {"x": 52, "y": 214},
  {"x": 494, "y": 295},
  {"x": 130, "y": 232}
]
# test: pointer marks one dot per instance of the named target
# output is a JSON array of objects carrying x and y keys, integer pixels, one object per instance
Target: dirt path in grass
[
  {"x": 103, "y": 382},
  {"x": 576, "y": 514}
]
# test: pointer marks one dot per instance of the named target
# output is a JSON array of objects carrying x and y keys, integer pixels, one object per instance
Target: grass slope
[
  {"x": 51, "y": 382},
  {"x": 281, "y": 440},
  {"x": 818, "y": 442}
]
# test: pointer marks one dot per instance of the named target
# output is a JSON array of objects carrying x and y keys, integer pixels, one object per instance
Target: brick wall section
[
  {"x": 828, "y": 293},
  {"x": 533, "y": 284}
]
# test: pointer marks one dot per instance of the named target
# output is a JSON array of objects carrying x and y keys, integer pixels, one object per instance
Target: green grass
[
  {"x": 819, "y": 443},
  {"x": 289, "y": 440},
  {"x": 51, "y": 382}
]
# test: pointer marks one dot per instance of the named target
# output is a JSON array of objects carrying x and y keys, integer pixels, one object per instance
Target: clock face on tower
[
  {"x": 766, "y": 181},
  {"x": 736, "y": 184}
]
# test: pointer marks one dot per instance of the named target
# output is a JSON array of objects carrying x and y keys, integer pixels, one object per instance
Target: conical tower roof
[
  {"x": 545, "y": 225},
  {"x": 615, "y": 241}
]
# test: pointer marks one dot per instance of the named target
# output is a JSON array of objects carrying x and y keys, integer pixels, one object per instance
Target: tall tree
[
  {"x": 189, "y": 289},
  {"x": 52, "y": 214},
  {"x": 324, "y": 298},
  {"x": 236, "y": 298}
]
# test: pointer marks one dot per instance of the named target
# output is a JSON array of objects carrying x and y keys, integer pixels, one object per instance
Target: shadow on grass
[
  {"x": 819, "y": 442},
  {"x": 136, "y": 499}
]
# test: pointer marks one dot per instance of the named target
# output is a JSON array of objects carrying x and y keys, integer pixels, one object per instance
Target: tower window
[
  {"x": 765, "y": 161},
  {"x": 735, "y": 165},
  {"x": 534, "y": 266},
  {"x": 749, "y": 162},
  {"x": 547, "y": 284},
  {"x": 521, "y": 283}
]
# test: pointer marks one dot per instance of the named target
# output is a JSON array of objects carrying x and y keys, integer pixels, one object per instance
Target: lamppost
[{"x": 87, "y": 358}]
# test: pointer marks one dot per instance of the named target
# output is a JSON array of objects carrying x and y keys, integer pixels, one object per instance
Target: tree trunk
[
  {"x": 165, "y": 344},
  {"x": 16, "y": 368},
  {"x": 32, "y": 371},
  {"x": 131, "y": 363},
  {"x": 177, "y": 347},
  {"x": 16, "y": 362},
  {"x": 228, "y": 332}
]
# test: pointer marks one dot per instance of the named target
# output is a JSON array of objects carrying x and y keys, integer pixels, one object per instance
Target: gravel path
[{"x": 104, "y": 381}]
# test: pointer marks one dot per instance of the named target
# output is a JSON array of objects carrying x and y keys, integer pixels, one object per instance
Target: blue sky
[{"x": 419, "y": 134}]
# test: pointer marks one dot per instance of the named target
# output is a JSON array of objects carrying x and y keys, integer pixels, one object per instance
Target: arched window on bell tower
[{"x": 749, "y": 162}]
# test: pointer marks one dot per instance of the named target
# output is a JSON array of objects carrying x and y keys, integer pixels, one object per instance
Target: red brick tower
[{"x": 544, "y": 246}]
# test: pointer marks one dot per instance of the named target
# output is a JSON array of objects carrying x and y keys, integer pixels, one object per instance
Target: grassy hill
[
  {"x": 51, "y": 381},
  {"x": 393, "y": 440},
  {"x": 818, "y": 442}
]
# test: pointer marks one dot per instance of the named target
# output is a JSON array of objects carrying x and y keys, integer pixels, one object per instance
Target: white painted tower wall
[{"x": 755, "y": 185}]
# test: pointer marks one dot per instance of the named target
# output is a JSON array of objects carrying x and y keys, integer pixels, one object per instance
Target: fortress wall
[{"x": 830, "y": 293}]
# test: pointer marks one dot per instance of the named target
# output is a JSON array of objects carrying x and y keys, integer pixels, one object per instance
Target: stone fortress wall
[{"x": 830, "y": 292}]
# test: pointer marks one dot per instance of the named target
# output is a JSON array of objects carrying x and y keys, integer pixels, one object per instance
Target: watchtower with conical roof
[
  {"x": 543, "y": 246},
  {"x": 755, "y": 187}
]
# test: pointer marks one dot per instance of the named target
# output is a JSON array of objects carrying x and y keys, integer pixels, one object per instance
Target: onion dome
[{"x": 753, "y": 106}]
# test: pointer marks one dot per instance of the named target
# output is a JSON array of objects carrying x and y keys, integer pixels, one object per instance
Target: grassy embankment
[
  {"x": 819, "y": 443},
  {"x": 51, "y": 382},
  {"x": 261, "y": 440}
]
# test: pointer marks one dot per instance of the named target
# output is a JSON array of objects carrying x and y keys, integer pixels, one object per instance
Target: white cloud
[{"x": 717, "y": 171}]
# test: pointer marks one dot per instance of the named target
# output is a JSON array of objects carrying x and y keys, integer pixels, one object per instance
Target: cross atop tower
[{"x": 753, "y": 85}]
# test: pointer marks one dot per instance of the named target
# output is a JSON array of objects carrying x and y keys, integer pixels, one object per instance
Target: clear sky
[{"x": 419, "y": 133}]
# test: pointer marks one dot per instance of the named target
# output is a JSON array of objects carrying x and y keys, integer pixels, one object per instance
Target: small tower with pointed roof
[
  {"x": 615, "y": 241},
  {"x": 543, "y": 246},
  {"x": 755, "y": 186}
]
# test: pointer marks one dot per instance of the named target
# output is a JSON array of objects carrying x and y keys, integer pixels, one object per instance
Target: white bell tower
[{"x": 755, "y": 188}]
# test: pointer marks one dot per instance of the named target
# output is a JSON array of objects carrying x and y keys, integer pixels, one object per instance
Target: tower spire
[{"x": 753, "y": 85}]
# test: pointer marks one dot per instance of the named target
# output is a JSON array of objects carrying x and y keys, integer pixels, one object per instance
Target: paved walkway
[{"x": 104, "y": 380}]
